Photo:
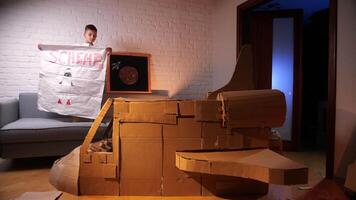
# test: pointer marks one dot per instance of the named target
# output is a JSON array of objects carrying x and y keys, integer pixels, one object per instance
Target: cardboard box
[
  {"x": 141, "y": 166},
  {"x": 170, "y": 146},
  {"x": 166, "y": 107},
  {"x": 140, "y": 130},
  {"x": 186, "y": 108},
  {"x": 350, "y": 182},
  {"x": 141, "y": 154},
  {"x": 187, "y": 184},
  {"x": 185, "y": 128},
  {"x": 208, "y": 111},
  {"x": 185, "y": 135},
  {"x": 98, "y": 186},
  {"x": 213, "y": 130},
  {"x": 140, "y": 187}
]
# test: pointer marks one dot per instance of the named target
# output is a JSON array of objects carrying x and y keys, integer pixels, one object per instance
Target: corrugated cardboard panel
[
  {"x": 193, "y": 165},
  {"x": 213, "y": 129},
  {"x": 217, "y": 137},
  {"x": 140, "y": 187},
  {"x": 170, "y": 146},
  {"x": 148, "y": 118},
  {"x": 185, "y": 128},
  {"x": 252, "y": 142},
  {"x": 171, "y": 107},
  {"x": 140, "y": 130},
  {"x": 350, "y": 182},
  {"x": 182, "y": 185},
  {"x": 141, "y": 158},
  {"x": 122, "y": 106},
  {"x": 210, "y": 143},
  {"x": 186, "y": 108},
  {"x": 65, "y": 172},
  {"x": 225, "y": 186},
  {"x": 147, "y": 107},
  {"x": 98, "y": 186},
  {"x": 208, "y": 110},
  {"x": 258, "y": 164},
  {"x": 255, "y": 108},
  {"x": 234, "y": 141},
  {"x": 256, "y": 132},
  {"x": 98, "y": 170},
  {"x": 164, "y": 107}
]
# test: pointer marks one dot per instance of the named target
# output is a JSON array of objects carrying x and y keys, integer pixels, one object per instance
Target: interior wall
[
  {"x": 345, "y": 127},
  {"x": 178, "y": 35},
  {"x": 224, "y": 41}
]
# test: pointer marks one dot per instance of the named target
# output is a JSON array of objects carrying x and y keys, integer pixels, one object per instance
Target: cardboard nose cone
[{"x": 65, "y": 171}]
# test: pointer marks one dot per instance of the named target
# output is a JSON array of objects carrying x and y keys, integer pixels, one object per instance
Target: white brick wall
[{"x": 178, "y": 34}]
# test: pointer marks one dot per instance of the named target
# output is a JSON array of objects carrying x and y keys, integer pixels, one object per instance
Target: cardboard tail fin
[{"x": 242, "y": 79}]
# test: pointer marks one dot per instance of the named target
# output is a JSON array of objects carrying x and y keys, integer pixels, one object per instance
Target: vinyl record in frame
[{"x": 128, "y": 73}]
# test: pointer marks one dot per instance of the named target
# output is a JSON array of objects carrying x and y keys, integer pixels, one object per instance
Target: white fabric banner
[{"x": 72, "y": 80}]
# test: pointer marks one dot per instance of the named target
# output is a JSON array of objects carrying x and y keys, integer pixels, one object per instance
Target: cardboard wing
[{"x": 258, "y": 164}]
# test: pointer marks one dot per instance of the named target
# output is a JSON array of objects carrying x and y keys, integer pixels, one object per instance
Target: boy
[{"x": 90, "y": 33}]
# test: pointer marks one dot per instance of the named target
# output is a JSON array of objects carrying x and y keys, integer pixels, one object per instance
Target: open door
[{"x": 276, "y": 42}]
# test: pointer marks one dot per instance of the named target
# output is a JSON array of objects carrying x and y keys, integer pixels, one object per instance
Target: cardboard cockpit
[{"x": 183, "y": 147}]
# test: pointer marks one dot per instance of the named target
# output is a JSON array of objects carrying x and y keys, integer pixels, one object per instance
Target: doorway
[
  {"x": 316, "y": 128},
  {"x": 276, "y": 40}
]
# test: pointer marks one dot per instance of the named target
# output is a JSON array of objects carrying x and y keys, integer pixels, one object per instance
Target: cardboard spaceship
[{"x": 217, "y": 146}]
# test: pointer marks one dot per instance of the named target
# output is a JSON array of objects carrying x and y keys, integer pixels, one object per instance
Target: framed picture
[{"x": 128, "y": 73}]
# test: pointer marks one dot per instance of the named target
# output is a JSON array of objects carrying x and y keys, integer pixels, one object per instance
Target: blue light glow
[{"x": 282, "y": 67}]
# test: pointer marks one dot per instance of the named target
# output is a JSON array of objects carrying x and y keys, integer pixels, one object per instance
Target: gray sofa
[{"x": 27, "y": 132}]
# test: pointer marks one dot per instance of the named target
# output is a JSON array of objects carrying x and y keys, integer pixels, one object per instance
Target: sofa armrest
[{"x": 9, "y": 111}]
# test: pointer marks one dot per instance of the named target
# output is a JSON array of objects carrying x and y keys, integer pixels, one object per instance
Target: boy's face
[{"x": 90, "y": 36}]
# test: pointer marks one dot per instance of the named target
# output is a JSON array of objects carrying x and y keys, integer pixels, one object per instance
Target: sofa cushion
[
  {"x": 28, "y": 107},
  {"x": 44, "y": 130},
  {"x": 9, "y": 110},
  {"x": 43, "y": 123}
]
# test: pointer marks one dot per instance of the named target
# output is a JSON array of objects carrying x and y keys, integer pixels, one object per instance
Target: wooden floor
[{"x": 31, "y": 175}]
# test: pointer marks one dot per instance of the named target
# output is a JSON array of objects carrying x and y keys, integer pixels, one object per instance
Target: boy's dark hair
[{"x": 90, "y": 27}]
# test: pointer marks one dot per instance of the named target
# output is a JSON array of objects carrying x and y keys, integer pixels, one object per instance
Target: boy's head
[{"x": 90, "y": 33}]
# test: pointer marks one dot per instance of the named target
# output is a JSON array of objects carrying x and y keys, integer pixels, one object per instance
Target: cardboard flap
[
  {"x": 258, "y": 164},
  {"x": 147, "y": 106},
  {"x": 186, "y": 108},
  {"x": 253, "y": 108},
  {"x": 208, "y": 111},
  {"x": 148, "y": 118}
]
